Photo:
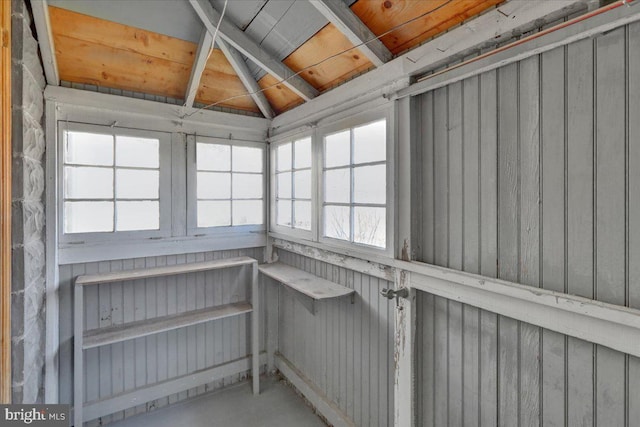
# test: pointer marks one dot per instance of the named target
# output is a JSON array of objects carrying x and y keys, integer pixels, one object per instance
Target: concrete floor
[{"x": 276, "y": 406}]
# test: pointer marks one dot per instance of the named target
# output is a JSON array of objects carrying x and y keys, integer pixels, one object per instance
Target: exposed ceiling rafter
[
  {"x": 340, "y": 15},
  {"x": 242, "y": 70},
  {"x": 239, "y": 40},
  {"x": 45, "y": 40},
  {"x": 202, "y": 54}
]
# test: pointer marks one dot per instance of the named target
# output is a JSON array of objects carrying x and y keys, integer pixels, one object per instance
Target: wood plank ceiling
[{"x": 107, "y": 54}]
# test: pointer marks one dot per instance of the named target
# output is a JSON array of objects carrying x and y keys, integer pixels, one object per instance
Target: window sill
[{"x": 105, "y": 251}]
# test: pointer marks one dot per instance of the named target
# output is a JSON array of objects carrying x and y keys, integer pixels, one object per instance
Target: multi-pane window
[
  {"x": 355, "y": 183},
  {"x": 229, "y": 185},
  {"x": 111, "y": 182},
  {"x": 293, "y": 184}
]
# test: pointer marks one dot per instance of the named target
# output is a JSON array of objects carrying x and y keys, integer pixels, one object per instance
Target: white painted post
[
  {"x": 78, "y": 368},
  {"x": 255, "y": 328},
  {"x": 405, "y": 317}
]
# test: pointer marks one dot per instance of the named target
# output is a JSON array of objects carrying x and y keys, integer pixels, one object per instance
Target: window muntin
[
  {"x": 355, "y": 184},
  {"x": 229, "y": 185},
  {"x": 111, "y": 182},
  {"x": 293, "y": 184}
]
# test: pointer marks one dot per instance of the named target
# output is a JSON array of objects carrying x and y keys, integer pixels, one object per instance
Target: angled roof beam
[
  {"x": 45, "y": 40},
  {"x": 239, "y": 40},
  {"x": 202, "y": 54},
  {"x": 237, "y": 62},
  {"x": 340, "y": 15}
]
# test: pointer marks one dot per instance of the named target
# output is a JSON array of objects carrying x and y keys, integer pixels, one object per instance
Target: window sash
[
  {"x": 192, "y": 185},
  {"x": 164, "y": 191}
]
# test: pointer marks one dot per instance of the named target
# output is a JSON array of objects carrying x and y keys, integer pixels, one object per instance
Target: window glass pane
[
  {"x": 214, "y": 185},
  {"x": 246, "y": 186},
  {"x": 214, "y": 214},
  {"x": 213, "y": 157},
  {"x": 369, "y": 184},
  {"x": 337, "y": 149},
  {"x": 370, "y": 142},
  {"x": 137, "y": 215},
  {"x": 302, "y": 183},
  {"x": 88, "y": 183},
  {"x": 137, "y": 184},
  {"x": 369, "y": 226},
  {"x": 284, "y": 185},
  {"x": 88, "y": 149},
  {"x": 283, "y": 157},
  {"x": 303, "y": 154},
  {"x": 337, "y": 186},
  {"x": 283, "y": 212},
  {"x": 247, "y": 159},
  {"x": 247, "y": 212},
  {"x": 137, "y": 152},
  {"x": 302, "y": 214},
  {"x": 336, "y": 222},
  {"x": 86, "y": 217}
]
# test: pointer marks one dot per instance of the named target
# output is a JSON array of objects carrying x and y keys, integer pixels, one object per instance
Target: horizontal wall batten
[
  {"x": 126, "y": 400},
  {"x": 598, "y": 322}
]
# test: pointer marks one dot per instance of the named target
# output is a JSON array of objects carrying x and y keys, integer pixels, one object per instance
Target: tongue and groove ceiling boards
[{"x": 152, "y": 46}]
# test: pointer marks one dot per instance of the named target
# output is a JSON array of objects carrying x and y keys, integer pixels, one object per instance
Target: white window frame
[
  {"x": 274, "y": 226},
  {"x": 353, "y": 121},
  {"x": 192, "y": 200},
  {"x": 165, "y": 201}
]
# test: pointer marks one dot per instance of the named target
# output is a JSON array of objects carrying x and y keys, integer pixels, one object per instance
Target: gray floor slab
[{"x": 235, "y": 406}]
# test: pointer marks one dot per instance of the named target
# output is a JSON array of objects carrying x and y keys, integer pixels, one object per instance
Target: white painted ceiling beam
[
  {"x": 239, "y": 40},
  {"x": 45, "y": 40},
  {"x": 202, "y": 54},
  {"x": 242, "y": 70},
  {"x": 340, "y": 15}
]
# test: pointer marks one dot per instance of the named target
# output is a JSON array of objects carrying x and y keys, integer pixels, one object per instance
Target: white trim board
[{"x": 166, "y": 117}]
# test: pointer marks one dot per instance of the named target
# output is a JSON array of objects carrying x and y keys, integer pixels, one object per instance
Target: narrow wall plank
[
  {"x": 471, "y": 175},
  {"x": 456, "y": 367},
  {"x": 633, "y": 50},
  {"x": 441, "y": 362},
  {"x": 553, "y": 227},
  {"x": 488, "y": 175},
  {"x": 529, "y": 269},
  {"x": 441, "y": 177},
  {"x": 580, "y": 180},
  {"x": 488, "y": 369},
  {"x": 610, "y": 214},
  {"x": 455, "y": 162},
  {"x": 428, "y": 179},
  {"x": 470, "y": 363}
]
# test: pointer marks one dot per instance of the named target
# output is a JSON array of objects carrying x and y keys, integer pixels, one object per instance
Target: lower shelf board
[{"x": 112, "y": 334}]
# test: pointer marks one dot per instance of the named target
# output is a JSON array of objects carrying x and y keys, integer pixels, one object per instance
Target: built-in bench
[
  {"x": 314, "y": 287},
  {"x": 86, "y": 339}
]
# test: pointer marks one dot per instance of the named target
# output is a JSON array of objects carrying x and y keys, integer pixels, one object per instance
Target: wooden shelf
[
  {"x": 145, "y": 273},
  {"x": 128, "y": 331},
  {"x": 312, "y": 286}
]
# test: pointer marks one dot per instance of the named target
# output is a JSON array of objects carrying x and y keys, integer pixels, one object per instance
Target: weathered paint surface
[
  {"x": 541, "y": 190},
  {"x": 131, "y": 364},
  {"x": 345, "y": 349}
]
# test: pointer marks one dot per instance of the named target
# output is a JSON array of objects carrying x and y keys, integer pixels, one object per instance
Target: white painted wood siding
[
  {"x": 127, "y": 365},
  {"x": 346, "y": 349},
  {"x": 531, "y": 173}
]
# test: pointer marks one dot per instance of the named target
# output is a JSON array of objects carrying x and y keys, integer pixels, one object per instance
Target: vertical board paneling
[
  {"x": 634, "y": 208},
  {"x": 547, "y": 172},
  {"x": 344, "y": 349},
  {"x": 136, "y": 363},
  {"x": 610, "y": 213}
]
